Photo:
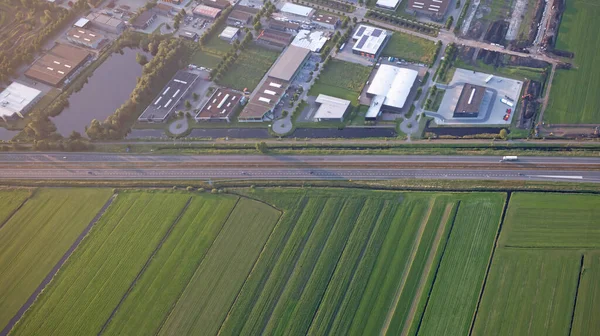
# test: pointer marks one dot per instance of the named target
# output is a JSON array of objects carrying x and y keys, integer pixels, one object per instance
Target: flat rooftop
[
  {"x": 15, "y": 98},
  {"x": 394, "y": 83},
  {"x": 240, "y": 15},
  {"x": 229, "y": 32},
  {"x": 434, "y": 7},
  {"x": 326, "y": 18},
  {"x": 57, "y": 64},
  {"x": 296, "y": 9},
  {"x": 369, "y": 39},
  {"x": 169, "y": 97},
  {"x": 264, "y": 98},
  {"x": 84, "y": 36},
  {"x": 390, "y": 4},
  {"x": 220, "y": 105},
  {"x": 470, "y": 99},
  {"x": 275, "y": 36},
  {"x": 331, "y": 107},
  {"x": 288, "y": 63},
  {"x": 312, "y": 40},
  {"x": 207, "y": 11},
  {"x": 104, "y": 19}
]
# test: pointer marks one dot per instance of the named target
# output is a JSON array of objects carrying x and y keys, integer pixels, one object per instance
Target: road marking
[{"x": 560, "y": 177}]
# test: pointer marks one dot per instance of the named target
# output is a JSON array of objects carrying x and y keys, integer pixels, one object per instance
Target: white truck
[
  {"x": 487, "y": 80},
  {"x": 507, "y": 102},
  {"x": 509, "y": 158}
]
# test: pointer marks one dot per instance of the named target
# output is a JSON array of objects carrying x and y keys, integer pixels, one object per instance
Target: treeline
[
  {"x": 232, "y": 55},
  {"x": 216, "y": 26},
  {"x": 11, "y": 58},
  {"x": 446, "y": 63},
  {"x": 171, "y": 55},
  {"x": 427, "y": 28}
]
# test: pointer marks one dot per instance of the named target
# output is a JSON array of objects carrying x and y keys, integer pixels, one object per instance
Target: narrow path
[
  {"x": 55, "y": 269},
  {"x": 547, "y": 95},
  {"x": 406, "y": 272},
  {"x": 428, "y": 266},
  {"x": 18, "y": 208},
  {"x": 150, "y": 258}
]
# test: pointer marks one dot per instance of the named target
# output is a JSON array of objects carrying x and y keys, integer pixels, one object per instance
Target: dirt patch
[
  {"x": 428, "y": 266},
  {"x": 497, "y": 32}
]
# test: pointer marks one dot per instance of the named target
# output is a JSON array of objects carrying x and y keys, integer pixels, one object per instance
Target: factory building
[
  {"x": 284, "y": 26},
  {"x": 239, "y": 18},
  {"x": 220, "y": 106},
  {"x": 389, "y": 90},
  {"x": 84, "y": 37},
  {"x": 369, "y": 41},
  {"x": 106, "y": 23},
  {"x": 168, "y": 100},
  {"x": 297, "y": 11},
  {"x": 388, "y": 4},
  {"x": 312, "y": 40},
  {"x": 57, "y": 64},
  {"x": 274, "y": 39},
  {"x": 434, "y": 8},
  {"x": 16, "y": 100},
  {"x": 470, "y": 101},
  {"x": 144, "y": 20},
  {"x": 220, "y": 4},
  {"x": 229, "y": 34},
  {"x": 206, "y": 12},
  {"x": 326, "y": 21},
  {"x": 331, "y": 108}
]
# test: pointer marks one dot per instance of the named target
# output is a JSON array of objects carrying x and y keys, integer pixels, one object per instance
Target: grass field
[
  {"x": 205, "y": 59},
  {"x": 249, "y": 68},
  {"x": 410, "y": 48},
  {"x": 35, "y": 238},
  {"x": 11, "y": 200},
  {"x": 587, "y": 310},
  {"x": 552, "y": 220},
  {"x": 342, "y": 80},
  {"x": 519, "y": 303},
  {"x": 573, "y": 97},
  {"x": 458, "y": 283}
]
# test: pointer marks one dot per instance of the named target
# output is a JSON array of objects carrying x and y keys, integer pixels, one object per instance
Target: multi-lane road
[{"x": 99, "y": 166}]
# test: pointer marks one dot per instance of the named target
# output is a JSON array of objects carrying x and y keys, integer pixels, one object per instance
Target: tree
[
  {"x": 503, "y": 134},
  {"x": 257, "y": 26},
  {"x": 195, "y": 96},
  {"x": 75, "y": 136},
  {"x": 262, "y": 147},
  {"x": 188, "y": 105},
  {"x": 141, "y": 59}
]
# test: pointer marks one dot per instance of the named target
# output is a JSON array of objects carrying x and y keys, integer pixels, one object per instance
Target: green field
[
  {"x": 574, "y": 95},
  {"x": 342, "y": 80},
  {"x": 249, "y": 69},
  {"x": 552, "y": 220},
  {"x": 36, "y": 237},
  {"x": 410, "y": 48},
  {"x": 310, "y": 261},
  {"x": 521, "y": 304},
  {"x": 205, "y": 59}
]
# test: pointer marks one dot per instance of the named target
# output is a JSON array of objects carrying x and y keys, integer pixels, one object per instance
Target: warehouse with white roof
[
  {"x": 16, "y": 100},
  {"x": 312, "y": 40},
  {"x": 388, "y": 4},
  {"x": 390, "y": 89},
  {"x": 330, "y": 108},
  {"x": 369, "y": 41},
  {"x": 297, "y": 10}
]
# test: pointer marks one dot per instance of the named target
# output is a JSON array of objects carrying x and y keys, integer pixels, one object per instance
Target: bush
[
  {"x": 214, "y": 191},
  {"x": 189, "y": 188}
]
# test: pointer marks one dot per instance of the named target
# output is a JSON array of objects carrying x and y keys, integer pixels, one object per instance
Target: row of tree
[
  {"x": 170, "y": 57},
  {"x": 232, "y": 55},
  {"x": 216, "y": 26}
]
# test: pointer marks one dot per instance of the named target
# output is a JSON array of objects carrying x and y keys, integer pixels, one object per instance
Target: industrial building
[
  {"x": 168, "y": 99},
  {"x": 246, "y": 9},
  {"x": 220, "y": 4},
  {"x": 469, "y": 102},
  {"x": 267, "y": 96},
  {"x": 389, "y": 90},
  {"x": 331, "y": 108},
  {"x": 220, "y": 106},
  {"x": 206, "y": 11},
  {"x": 188, "y": 35},
  {"x": 144, "y": 20},
  {"x": 284, "y": 26},
  {"x": 274, "y": 39},
  {"x": 82, "y": 23},
  {"x": 312, "y": 40},
  {"x": 326, "y": 21},
  {"x": 84, "y": 37},
  {"x": 369, "y": 41},
  {"x": 229, "y": 34},
  {"x": 177, "y": 2},
  {"x": 239, "y": 18},
  {"x": 388, "y": 4},
  {"x": 106, "y": 23},
  {"x": 435, "y": 8},
  {"x": 57, "y": 64},
  {"x": 16, "y": 100},
  {"x": 297, "y": 10},
  {"x": 164, "y": 9}
]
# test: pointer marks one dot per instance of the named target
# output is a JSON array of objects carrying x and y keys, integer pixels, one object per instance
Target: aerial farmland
[{"x": 297, "y": 261}]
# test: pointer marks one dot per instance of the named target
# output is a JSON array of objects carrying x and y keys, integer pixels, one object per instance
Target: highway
[{"x": 103, "y": 166}]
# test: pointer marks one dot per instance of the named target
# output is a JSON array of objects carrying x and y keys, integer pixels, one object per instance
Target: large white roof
[
  {"x": 388, "y": 3},
  {"x": 296, "y": 9},
  {"x": 229, "y": 32},
  {"x": 394, "y": 83},
  {"x": 314, "y": 40},
  {"x": 369, "y": 39},
  {"x": 331, "y": 107},
  {"x": 15, "y": 98}
]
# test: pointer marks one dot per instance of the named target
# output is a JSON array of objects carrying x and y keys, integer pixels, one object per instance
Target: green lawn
[
  {"x": 437, "y": 100},
  {"x": 410, "y": 48},
  {"x": 518, "y": 303},
  {"x": 514, "y": 72},
  {"x": 36, "y": 237},
  {"x": 205, "y": 59},
  {"x": 587, "y": 310},
  {"x": 552, "y": 220},
  {"x": 11, "y": 200},
  {"x": 574, "y": 95},
  {"x": 249, "y": 69},
  {"x": 342, "y": 80}
]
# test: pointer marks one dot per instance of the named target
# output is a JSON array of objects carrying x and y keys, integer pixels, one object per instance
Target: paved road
[{"x": 553, "y": 170}]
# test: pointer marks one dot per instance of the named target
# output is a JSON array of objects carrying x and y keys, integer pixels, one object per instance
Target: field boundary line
[
  {"x": 428, "y": 265},
  {"x": 146, "y": 264},
  {"x": 552, "y": 248},
  {"x": 581, "y": 269},
  {"x": 489, "y": 265},
  {"x": 197, "y": 266},
  {"x": 12, "y": 214},
  {"x": 34, "y": 296},
  {"x": 303, "y": 202},
  {"x": 406, "y": 273},
  {"x": 262, "y": 250},
  {"x": 437, "y": 269}
]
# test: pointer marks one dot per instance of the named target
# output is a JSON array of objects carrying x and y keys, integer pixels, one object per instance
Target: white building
[
  {"x": 388, "y": 4},
  {"x": 370, "y": 41},
  {"x": 389, "y": 89},
  {"x": 312, "y": 40},
  {"x": 16, "y": 100},
  {"x": 297, "y": 10},
  {"x": 229, "y": 34},
  {"x": 331, "y": 108},
  {"x": 84, "y": 37}
]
